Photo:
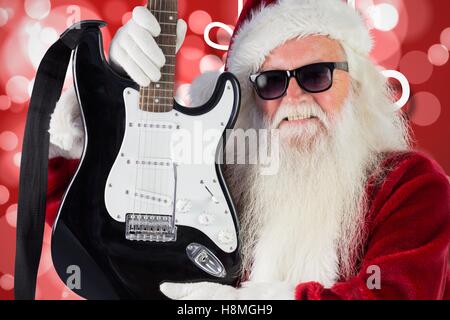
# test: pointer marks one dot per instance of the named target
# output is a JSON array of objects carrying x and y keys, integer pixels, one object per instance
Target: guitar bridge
[{"x": 151, "y": 228}]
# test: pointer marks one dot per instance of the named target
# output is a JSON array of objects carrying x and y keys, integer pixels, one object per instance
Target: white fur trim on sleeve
[{"x": 66, "y": 128}]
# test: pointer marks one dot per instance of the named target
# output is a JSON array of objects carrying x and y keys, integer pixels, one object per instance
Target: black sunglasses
[{"x": 312, "y": 78}]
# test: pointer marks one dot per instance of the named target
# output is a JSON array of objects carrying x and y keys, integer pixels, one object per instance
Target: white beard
[{"x": 305, "y": 222}]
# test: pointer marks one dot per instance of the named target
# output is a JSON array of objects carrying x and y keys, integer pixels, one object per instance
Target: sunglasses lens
[
  {"x": 271, "y": 85},
  {"x": 316, "y": 78}
]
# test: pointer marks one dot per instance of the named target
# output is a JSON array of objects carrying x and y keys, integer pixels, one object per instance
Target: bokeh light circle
[
  {"x": 193, "y": 48},
  {"x": 8, "y": 141},
  {"x": 223, "y": 36},
  {"x": 384, "y": 17},
  {"x": 445, "y": 38},
  {"x": 11, "y": 215},
  {"x": 420, "y": 15},
  {"x": 17, "y": 89},
  {"x": 426, "y": 109},
  {"x": 3, "y": 17},
  {"x": 48, "y": 36},
  {"x": 5, "y": 103},
  {"x": 7, "y": 282},
  {"x": 37, "y": 9},
  {"x": 198, "y": 20},
  {"x": 4, "y": 194},
  {"x": 438, "y": 55},
  {"x": 416, "y": 67},
  {"x": 387, "y": 51},
  {"x": 210, "y": 62}
]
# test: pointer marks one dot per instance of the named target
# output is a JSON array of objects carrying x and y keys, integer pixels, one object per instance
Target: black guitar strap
[{"x": 34, "y": 164}]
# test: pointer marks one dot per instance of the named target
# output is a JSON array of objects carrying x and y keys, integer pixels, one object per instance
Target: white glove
[
  {"x": 135, "y": 51},
  {"x": 214, "y": 291}
]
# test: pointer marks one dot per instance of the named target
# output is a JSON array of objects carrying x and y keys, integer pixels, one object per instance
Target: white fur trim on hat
[{"x": 270, "y": 26}]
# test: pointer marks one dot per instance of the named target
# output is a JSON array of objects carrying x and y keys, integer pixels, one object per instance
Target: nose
[{"x": 295, "y": 94}]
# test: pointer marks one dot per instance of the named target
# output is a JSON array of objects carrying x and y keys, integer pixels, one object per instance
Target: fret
[
  {"x": 168, "y": 67},
  {"x": 166, "y": 49},
  {"x": 167, "y": 77},
  {"x": 170, "y": 60},
  {"x": 168, "y": 90},
  {"x": 168, "y": 28},
  {"x": 161, "y": 93},
  {"x": 166, "y": 108},
  {"x": 158, "y": 100},
  {"x": 162, "y": 103},
  {"x": 164, "y": 11},
  {"x": 171, "y": 83},
  {"x": 160, "y": 106},
  {"x": 155, "y": 87}
]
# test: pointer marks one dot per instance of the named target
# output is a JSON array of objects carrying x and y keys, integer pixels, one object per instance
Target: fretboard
[{"x": 158, "y": 97}]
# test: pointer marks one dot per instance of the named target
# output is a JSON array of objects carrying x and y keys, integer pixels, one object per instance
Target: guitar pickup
[{"x": 150, "y": 228}]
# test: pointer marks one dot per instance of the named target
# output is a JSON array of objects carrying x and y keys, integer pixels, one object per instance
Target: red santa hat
[{"x": 266, "y": 24}]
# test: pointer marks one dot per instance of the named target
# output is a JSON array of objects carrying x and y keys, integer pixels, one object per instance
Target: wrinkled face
[{"x": 300, "y": 112}]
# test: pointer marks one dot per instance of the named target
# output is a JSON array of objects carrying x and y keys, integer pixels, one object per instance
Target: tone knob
[
  {"x": 225, "y": 237},
  {"x": 205, "y": 219},
  {"x": 183, "y": 206}
]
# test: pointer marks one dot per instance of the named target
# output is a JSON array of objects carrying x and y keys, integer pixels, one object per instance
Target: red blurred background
[{"x": 412, "y": 36}]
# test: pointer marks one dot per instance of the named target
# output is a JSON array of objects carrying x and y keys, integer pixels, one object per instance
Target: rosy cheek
[
  {"x": 269, "y": 108},
  {"x": 327, "y": 101}
]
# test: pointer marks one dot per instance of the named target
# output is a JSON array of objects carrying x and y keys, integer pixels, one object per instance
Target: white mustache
[{"x": 298, "y": 112}]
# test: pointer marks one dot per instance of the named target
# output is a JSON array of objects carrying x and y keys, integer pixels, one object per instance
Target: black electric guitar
[{"x": 136, "y": 213}]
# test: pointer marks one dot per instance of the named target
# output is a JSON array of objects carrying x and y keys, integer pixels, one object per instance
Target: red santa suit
[
  {"x": 408, "y": 227},
  {"x": 408, "y": 217}
]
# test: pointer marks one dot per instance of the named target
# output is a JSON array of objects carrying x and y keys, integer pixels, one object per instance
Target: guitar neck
[{"x": 158, "y": 97}]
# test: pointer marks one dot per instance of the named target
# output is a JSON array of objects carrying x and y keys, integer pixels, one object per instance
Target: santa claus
[{"x": 352, "y": 211}]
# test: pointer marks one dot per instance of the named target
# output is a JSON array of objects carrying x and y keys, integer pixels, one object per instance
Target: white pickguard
[{"x": 142, "y": 177}]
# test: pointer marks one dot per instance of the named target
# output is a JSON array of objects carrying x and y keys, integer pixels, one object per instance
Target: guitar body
[{"x": 101, "y": 247}]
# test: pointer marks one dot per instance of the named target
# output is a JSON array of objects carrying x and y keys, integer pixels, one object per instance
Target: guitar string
[
  {"x": 135, "y": 162},
  {"x": 168, "y": 95},
  {"x": 171, "y": 50},
  {"x": 140, "y": 162},
  {"x": 153, "y": 171},
  {"x": 162, "y": 40}
]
